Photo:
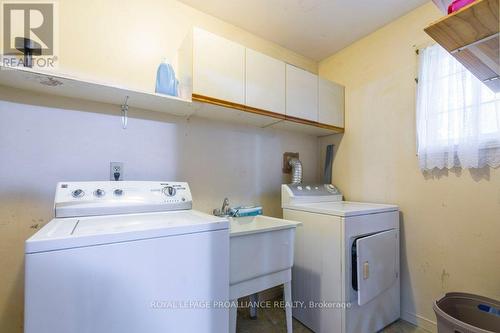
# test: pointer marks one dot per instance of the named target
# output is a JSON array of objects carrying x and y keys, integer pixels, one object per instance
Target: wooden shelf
[
  {"x": 66, "y": 86},
  {"x": 471, "y": 35}
]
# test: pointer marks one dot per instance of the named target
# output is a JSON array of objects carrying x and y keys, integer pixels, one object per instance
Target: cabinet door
[
  {"x": 301, "y": 93},
  {"x": 331, "y": 103},
  {"x": 265, "y": 82},
  {"x": 218, "y": 67}
]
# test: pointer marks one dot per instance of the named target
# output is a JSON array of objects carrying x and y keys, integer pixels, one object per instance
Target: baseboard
[
  {"x": 415, "y": 319},
  {"x": 422, "y": 322}
]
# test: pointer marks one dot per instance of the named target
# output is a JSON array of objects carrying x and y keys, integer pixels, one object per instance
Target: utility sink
[
  {"x": 260, "y": 257},
  {"x": 260, "y": 245}
]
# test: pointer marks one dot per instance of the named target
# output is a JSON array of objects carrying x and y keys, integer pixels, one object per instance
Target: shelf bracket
[
  {"x": 124, "y": 108},
  {"x": 482, "y": 40},
  {"x": 492, "y": 79}
]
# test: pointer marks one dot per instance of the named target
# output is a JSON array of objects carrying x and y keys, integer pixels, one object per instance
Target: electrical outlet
[{"x": 116, "y": 171}]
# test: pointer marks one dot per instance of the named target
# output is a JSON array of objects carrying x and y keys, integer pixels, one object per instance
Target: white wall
[{"x": 44, "y": 140}]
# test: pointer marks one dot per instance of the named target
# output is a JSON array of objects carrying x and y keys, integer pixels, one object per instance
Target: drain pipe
[{"x": 296, "y": 165}]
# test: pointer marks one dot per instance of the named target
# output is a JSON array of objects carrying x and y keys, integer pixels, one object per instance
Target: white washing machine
[
  {"x": 127, "y": 257},
  {"x": 345, "y": 277}
]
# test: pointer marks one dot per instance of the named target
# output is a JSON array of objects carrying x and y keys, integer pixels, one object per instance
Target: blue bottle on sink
[{"x": 166, "y": 83}]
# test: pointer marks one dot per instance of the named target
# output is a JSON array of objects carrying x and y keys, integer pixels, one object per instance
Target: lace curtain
[{"x": 458, "y": 117}]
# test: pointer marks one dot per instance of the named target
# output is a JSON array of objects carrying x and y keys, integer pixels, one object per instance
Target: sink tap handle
[{"x": 225, "y": 206}]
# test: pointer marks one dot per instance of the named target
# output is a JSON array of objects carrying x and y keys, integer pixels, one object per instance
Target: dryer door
[{"x": 377, "y": 264}]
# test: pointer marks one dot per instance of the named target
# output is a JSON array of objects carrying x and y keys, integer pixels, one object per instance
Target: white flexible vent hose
[{"x": 296, "y": 165}]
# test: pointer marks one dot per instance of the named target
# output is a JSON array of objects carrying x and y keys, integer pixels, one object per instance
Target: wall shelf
[
  {"x": 471, "y": 35},
  {"x": 66, "y": 86}
]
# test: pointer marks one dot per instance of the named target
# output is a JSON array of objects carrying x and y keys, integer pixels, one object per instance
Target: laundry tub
[
  {"x": 467, "y": 313},
  {"x": 261, "y": 257}
]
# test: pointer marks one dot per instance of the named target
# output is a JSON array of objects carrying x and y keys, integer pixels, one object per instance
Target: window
[{"x": 458, "y": 117}]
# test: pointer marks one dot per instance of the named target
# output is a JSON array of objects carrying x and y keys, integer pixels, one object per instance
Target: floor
[{"x": 272, "y": 320}]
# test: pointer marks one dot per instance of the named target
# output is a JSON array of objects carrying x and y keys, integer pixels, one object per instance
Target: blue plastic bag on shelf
[{"x": 166, "y": 83}]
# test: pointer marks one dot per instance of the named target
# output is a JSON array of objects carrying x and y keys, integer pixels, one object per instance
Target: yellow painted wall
[
  {"x": 124, "y": 41},
  {"x": 450, "y": 220}
]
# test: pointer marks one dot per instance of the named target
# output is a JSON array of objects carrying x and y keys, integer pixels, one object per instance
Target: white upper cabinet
[
  {"x": 301, "y": 94},
  {"x": 331, "y": 103},
  {"x": 223, "y": 73},
  {"x": 265, "y": 82},
  {"x": 212, "y": 66}
]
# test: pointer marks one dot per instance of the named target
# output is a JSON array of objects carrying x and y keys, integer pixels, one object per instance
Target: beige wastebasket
[{"x": 467, "y": 313}]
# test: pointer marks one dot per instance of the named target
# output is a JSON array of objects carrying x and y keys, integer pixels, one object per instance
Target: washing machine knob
[
  {"x": 118, "y": 192},
  {"x": 169, "y": 191},
  {"x": 99, "y": 193},
  {"x": 78, "y": 193}
]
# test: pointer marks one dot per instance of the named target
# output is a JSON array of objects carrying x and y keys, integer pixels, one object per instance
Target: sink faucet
[
  {"x": 225, "y": 206},
  {"x": 224, "y": 211}
]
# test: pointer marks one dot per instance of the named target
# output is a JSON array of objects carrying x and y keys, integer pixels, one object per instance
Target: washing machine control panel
[{"x": 122, "y": 197}]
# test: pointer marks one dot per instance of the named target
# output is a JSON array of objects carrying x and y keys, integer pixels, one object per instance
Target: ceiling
[{"x": 313, "y": 28}]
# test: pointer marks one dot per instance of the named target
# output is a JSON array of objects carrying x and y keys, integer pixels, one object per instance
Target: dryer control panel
[
  {"x": 307, "y": 193},
  {"x": 123, "y": 197}
]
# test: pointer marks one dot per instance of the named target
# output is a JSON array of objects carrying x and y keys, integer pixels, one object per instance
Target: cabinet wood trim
[
  {"x": 249, "y": 109},
  {"x": 314, "y": 123},
  {"x": 232, "y": 105}
]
